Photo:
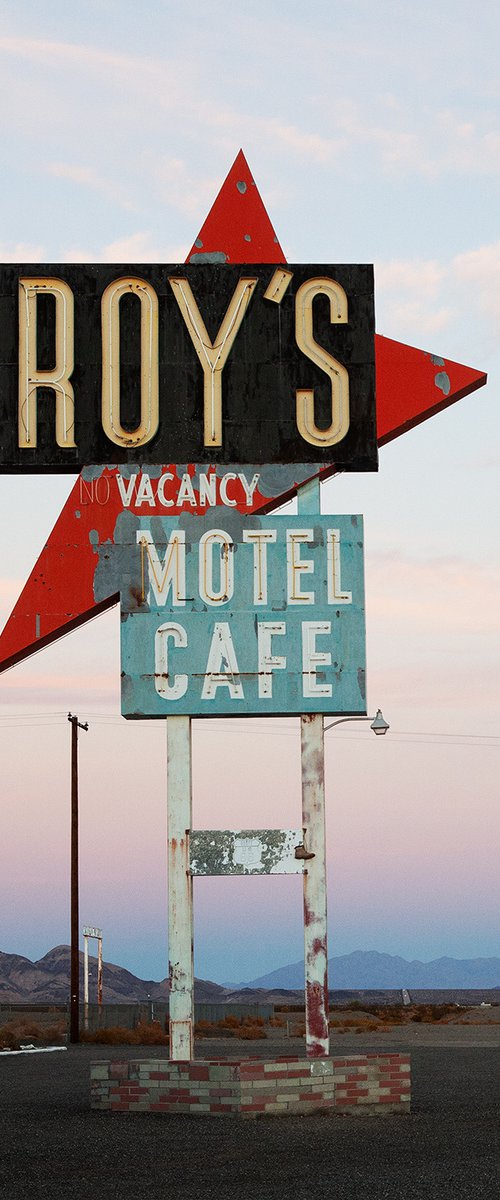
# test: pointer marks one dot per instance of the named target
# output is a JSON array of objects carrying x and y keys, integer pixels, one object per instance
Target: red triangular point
[
  {"x": 238, "y": 228},
  {"x": 413, "y": 385}
]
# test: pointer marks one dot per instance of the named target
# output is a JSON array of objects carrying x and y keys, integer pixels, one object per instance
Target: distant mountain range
[
  {"x": 366, "y": 969},
  {"x": 47, "y": 980}
]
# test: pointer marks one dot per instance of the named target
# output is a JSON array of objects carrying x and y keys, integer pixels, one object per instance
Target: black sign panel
[{"x": 176, "y": 363}]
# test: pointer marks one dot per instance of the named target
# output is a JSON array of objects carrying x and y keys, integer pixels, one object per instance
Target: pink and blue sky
[{"x": 373, "y": 132}]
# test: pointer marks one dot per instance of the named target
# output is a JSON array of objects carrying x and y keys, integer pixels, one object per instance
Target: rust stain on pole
[
  {"x": 180, "y": 888},
  {"x": 315, "y": 935},
  {"x": 99, "y": 972},
  {"x": 313, "y": 821}
]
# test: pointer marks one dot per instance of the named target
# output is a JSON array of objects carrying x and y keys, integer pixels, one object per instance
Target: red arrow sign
[{"x": 62, "y": 591}]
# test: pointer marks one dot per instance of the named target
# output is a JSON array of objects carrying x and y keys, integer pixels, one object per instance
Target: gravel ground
[{"x": 52, "y": 1145}]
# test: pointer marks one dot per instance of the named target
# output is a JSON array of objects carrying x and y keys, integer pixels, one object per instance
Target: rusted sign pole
[
  {"x": 313, "y": 822},
  {"x": 180, "y": 888},
  {"x": 90, "y": 931},
  {"x": 315, "y": 933},
  {"x": 74, "y": 1025}
]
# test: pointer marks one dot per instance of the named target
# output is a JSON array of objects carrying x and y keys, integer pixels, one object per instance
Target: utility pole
[{"x": 74, "y": 1025}]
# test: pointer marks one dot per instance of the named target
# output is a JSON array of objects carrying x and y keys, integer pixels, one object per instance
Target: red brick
[
  {"x": 353, "y": 1062},
  {"x": 199, "y": 1073},
  {"x": 118, "y": 1070}
]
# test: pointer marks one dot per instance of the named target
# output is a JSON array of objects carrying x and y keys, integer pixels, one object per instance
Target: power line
[{"x": 251, "y": 726}]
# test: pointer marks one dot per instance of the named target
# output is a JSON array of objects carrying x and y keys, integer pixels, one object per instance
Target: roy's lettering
[{"x": 183, "y": 364}]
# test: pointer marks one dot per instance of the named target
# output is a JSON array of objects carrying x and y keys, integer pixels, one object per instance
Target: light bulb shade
[{"x": 378, "y": 724}]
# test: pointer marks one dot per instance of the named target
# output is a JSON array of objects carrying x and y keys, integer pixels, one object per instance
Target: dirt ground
[{"x": 54, "y": 1146}]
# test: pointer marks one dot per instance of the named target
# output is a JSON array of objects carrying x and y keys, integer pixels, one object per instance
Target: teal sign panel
[{"x": 232, "y": 615}]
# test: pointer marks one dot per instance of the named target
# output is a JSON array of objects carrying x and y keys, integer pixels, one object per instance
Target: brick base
[{"x": 362, "y": 1083}]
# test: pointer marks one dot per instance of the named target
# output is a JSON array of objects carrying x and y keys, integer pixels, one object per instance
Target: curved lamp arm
[{"x": 378, "y": 724}]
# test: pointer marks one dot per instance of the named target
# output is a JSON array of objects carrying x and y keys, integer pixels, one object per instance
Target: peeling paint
[
  {"x": 221, "y": 645},
  {"x": 315, "y": 915},
  {"x": 212, "y": 256},
  {"x": 442, "y": 381},
  {"x": 247, "y": 852}
]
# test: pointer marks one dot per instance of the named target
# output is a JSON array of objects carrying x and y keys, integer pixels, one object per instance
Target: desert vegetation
[
  {"x": 246, "y": 1029},
  {"x": 146, "y": 1033},
  {"x": 22, "y": 1031},
  {"x": 50, "y": 1029}
]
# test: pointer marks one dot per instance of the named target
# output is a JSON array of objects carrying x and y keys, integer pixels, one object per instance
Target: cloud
[
  {"x": 181, "y": 188},
  {"x": 137, "y": 247},
  {"x": 413, "y": 294},
  {"x": 309, "y": 145},
  {"x": 444, "y": 596},
  {"x": 479, "y": 270},
  {"x": 439, "y": 690},
  {"x": 88, "y": 177},
  {"x": 10, "y": 589},
  {"x": 21, "y": 252},
  {"x": 166, "y": 84},
  {"x": 424, "y": 276},
  {"x": 139, "y": 73},
  {"x": 43, "y": 688},
  {"x": 428, "y": 141},
  {"x": 141, "y": 247}
]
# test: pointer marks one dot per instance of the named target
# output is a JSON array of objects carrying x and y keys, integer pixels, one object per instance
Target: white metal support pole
[
  {"x": 85, "y": 982},
  {"x": 99, "y": 973},
  {"x": 180, "y": 888},
  {"x": 313, "y": 821},
  {"x": 315, "y": 932}
]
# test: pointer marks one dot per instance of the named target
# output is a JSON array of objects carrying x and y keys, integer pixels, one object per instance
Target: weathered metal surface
[
  {"x": 255, "y": 615},
  {"x": 314, "y": 884},
  {"x": 92, "y": 931},
  {"x": 184, "y": 361},
  {"x": 85, "y": 981},
  {"x": 248, "y": 852},
  {"x": 315, "y": 928},
  {"x": 99, "y": 972},
  {"x": 63, "y": 592},
  {"x": 237, "y": 228},
  {"x": 411, "y": 385},
  {"x": 180, "y": 888}
]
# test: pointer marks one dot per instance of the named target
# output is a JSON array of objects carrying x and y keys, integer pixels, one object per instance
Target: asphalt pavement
[{"x": 448, "y": 1148}]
